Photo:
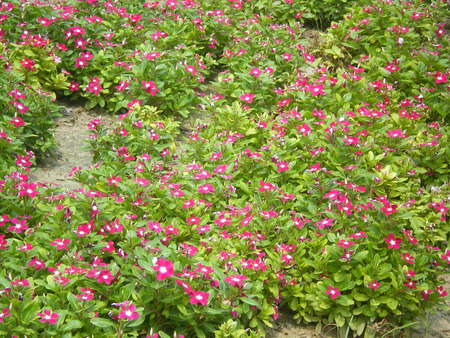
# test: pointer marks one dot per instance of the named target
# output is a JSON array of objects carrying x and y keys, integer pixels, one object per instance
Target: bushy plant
[{"x": 314, "y": 179}]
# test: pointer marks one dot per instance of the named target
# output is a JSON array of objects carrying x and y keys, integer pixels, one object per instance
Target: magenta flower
[
  {"x": 357, "y": 235},
  {"x": 255, "y": 72},
  {"x": 308, "y": 57},
  {"x": 344, "y": 243},
  {"x": 393, "y": 242},
  {"x": 48, "y": 316},
  {"x": 324, "y": 222},
  {"x": 128, "y": 312},
  {"x": 193, "y": 220},
  {"x": 5, "y": 313},
  {"x": 149, "y": 87},
  {"x": 396, "y": 133},
  {"x": 19, "y": 282},
  {"x": 316, "y": 90},
  {"x": 236, "y": 280},
  {"x": 440, "y": 78},
  {"x": 373, "y": 285},
  {"x": 446, "y": 256},
  {"x": 407, "y": 257},
  {"x": 410, "y": 284},
  {"x": 304, "y": 129},
  {"x": 333, "y": 292},
  {"x": 3, "y": 242},
  {"x": 18, "y": 225},
  {"x": 196, "y": 297},
  {"x": 440, "y": 291},
  {"x": 19, "y": 106},
  {"x": 27, "y": 64},
  {"x": 94, "y": 86},
  {"x": 17, "y": 121},
  {"x": 205, "y": 189},
  {"x": 247, "y": 97},
  {"x": 164, "y": 268},
  {"x": 114, "y": 180},
  {"x": 61, "y": 244},
  {"x": 28, "y": 189}
]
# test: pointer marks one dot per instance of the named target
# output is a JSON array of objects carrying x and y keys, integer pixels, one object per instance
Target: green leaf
[
  {"x": 72, "y": 324},
  {"x": 392, "y": 303},
  {"x": 251, "y": 301},
  {"x": 339, "y": 319},
  {"x": 100, "y": 322},
  {"x": 360, "y": 297},
  {"x": 182, "y": 309},
  {"x": 344, "y": 300},
  {"x": 29, "y": 311},
  {"x": 163, "y": 335},
  {"x": 146, "y": 265}
]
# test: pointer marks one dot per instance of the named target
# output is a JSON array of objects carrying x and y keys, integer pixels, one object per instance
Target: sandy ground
[{"x": 69, "y": 135}]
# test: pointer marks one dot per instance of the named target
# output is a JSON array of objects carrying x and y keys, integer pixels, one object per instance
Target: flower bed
[{"x": 327, "y": 192}]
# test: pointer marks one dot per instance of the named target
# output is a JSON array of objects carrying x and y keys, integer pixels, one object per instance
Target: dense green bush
[{"x": 316, "y": 179}]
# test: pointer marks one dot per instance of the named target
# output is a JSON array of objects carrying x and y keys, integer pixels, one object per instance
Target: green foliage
[{"x": 316, "y": 181}]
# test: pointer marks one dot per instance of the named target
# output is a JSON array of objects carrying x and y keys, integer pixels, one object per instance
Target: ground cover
[{"x": 317, "y": 178}]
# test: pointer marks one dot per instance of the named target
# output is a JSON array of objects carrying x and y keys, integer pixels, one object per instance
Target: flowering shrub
[{"x": 324, "y": 189}]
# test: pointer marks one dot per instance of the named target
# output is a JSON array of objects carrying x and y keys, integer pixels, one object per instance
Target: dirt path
[{"x": 69, "y": 135}]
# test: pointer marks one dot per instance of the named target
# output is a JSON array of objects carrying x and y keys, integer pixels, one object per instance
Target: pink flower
[
  {"x": 316, "y": 89},
  {"x": 332, "y": 195},
  {"x": 27, "y": 64},
  {"x": 128, "y": 312},
  {"x": 193, "y": 220},
  {"x": 247, "y": 97},
  {"x": 28, "y": 189},
  {"x": 191, "y": 69},
  {"x": 393, "y": 242},
  {"x": 196, "y": 297},
  {"x": 18, "y": 225},
  {"x": 304, "y": 129},
  {"x": 205, "y": 189},
  {"x": 324, "y": 222},
  {"x": 446, "y": 256},
  {"x": 17, "y": 121},
  {"x": 287, "y": 259},
  {"x": 164, "y": 268},
  {"x": 283, "y": 166},
  {"x": 266, "y": 186},
  {"x": 407, "y": 257},
  {"x": 3, "y": 242},
  {"x": 440, "y": 78},
  {"x": 287, "y": 56},
  {"x": 149, "y": 87},
  {"x": 204, "y": 228},
  {"x": 373, "y": 285},
  {"x": 48, "y": 316},
  {"x": 255, "y": 72},
  {"x": 61, "y": 244},
  {"x": 19, "y": 282},
  {"x": 357, "y": 235},
  {"x": 5, "y": 313},
  {"x": 236, "y": 280},
  {"x": 440, "y": 291},
  {"x": 114, "y": 180},
  {"x": 396, "y": 133},
  {"x": 333, "y": 292},
  {"x": 19, "y": 106},
  {"x": 308, "y": 57},
  {"x": 410, "y": 284},
  {"x": 344, "y": 243}
]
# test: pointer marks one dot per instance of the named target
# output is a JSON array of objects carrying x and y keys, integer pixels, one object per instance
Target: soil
[{"x": 71, "y": 130}]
